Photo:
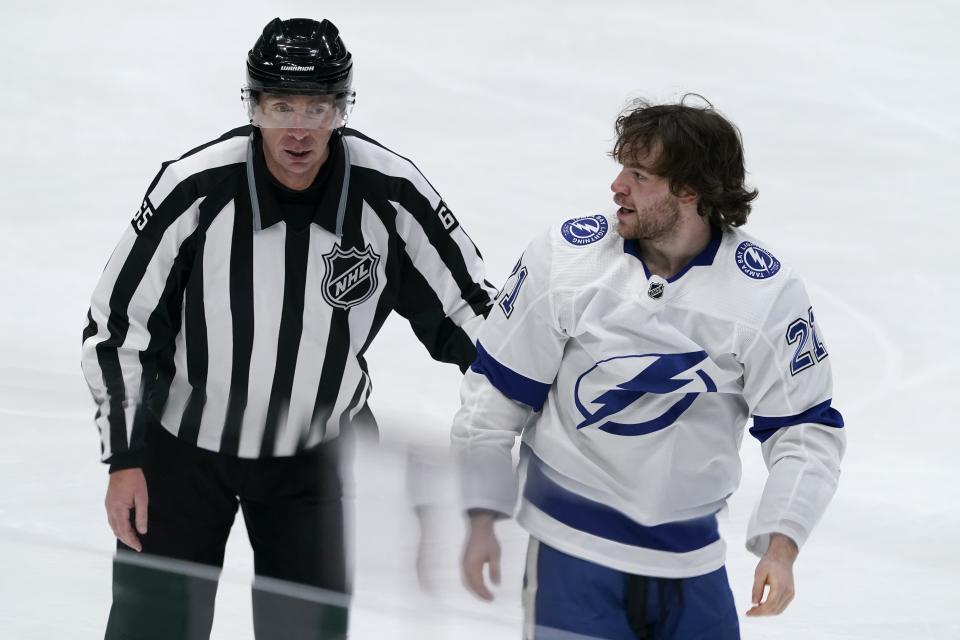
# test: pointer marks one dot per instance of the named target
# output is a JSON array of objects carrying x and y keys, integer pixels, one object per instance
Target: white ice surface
[{"x": 849, "y": 115}]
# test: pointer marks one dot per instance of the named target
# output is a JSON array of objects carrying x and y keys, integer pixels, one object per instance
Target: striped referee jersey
[{"x": 241, "y": 334}]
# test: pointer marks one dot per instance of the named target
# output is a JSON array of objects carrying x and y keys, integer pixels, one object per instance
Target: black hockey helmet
[{"x": 300, "y": 56}]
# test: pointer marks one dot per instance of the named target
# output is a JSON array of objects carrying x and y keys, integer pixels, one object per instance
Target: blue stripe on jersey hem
[
  {"x": 514, "y": 385},
  {"x": 822, "y": 413},
  {"x": 602, "y": 521}
]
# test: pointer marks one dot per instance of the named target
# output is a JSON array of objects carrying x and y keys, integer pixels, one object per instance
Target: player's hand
[
  {"x": 482, "y": 548},
  {"x": 774, "y": 572},
  {"x": 127, "y": 490}
]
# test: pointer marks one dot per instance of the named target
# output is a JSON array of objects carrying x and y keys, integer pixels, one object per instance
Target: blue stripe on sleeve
[
  {"x": 822, "y": 413},
  {"x": 603, "y": 521},
  {"x": 510, "y": 383}
]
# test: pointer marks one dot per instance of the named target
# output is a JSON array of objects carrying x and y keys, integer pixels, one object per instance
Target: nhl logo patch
[
  {"x": 351, "y": 276},
  {"x": 756, "y": 262},
  {"x": 655, "y": 290},
  {"x": 586, "y": 230}
]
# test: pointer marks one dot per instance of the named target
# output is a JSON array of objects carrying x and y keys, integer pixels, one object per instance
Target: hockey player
[
  {"x": 225, "y": 343},
  {"x": 629, "y": 351}
]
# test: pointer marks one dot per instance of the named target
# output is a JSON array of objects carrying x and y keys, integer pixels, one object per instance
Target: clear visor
[{"x": 293, "y": 111}]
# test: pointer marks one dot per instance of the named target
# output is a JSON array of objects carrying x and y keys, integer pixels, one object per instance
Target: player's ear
[{"x": 686, "y": 195}]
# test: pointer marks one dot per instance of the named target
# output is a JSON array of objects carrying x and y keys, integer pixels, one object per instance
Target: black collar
[{"x": 325, "y": 215}]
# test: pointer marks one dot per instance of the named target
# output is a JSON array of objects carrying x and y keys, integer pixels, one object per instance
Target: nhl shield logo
[{"x": 351, "y": 276}]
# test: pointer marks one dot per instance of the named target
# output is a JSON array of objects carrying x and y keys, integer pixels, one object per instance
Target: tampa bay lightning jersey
[{"x": 632, "y": 393}]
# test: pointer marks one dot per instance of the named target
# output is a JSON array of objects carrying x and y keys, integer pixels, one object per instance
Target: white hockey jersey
[{"x": 632, "y": 393}]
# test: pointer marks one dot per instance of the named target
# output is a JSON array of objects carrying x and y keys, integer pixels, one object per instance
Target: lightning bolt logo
[
  {"x": 660, "y": 377},
  {"x": 586, "y": 228},
  {"x": 755, "y": 259},
  {"x": 756, "y": 262}
]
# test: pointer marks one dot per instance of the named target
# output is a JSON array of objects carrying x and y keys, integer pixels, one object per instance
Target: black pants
[{"x": 293, "y": 513}]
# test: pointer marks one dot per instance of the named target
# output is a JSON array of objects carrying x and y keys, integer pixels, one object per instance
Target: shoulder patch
[
  {"x": 446, "y": 217},
  {"x": 756, "y": 262},
  {"x": 585, "y": 230},
  {"x": 143, "y": 216}
]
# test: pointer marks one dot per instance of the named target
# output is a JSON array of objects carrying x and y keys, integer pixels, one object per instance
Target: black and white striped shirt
[{"x": 245, "y": 335}]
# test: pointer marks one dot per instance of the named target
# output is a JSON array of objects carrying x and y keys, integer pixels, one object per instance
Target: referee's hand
[{"x": 127, "y": 490}]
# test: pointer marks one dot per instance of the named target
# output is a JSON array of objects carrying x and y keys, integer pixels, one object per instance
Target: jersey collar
[
  {"x": 329, "y": 212},
  {"x": 702, "y": 259}
]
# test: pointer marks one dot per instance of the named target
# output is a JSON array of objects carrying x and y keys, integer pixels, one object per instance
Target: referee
[{"x": 225, "y": 343}]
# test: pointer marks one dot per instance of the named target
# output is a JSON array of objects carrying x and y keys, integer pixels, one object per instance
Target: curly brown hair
[{"x": 695, "y": 147}]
